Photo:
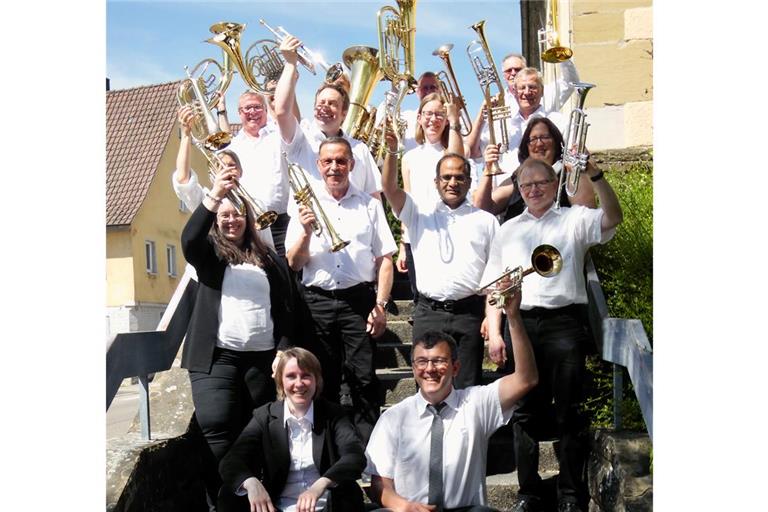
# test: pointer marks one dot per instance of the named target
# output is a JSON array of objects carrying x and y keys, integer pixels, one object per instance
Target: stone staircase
[{"x": 393, "y": 352}]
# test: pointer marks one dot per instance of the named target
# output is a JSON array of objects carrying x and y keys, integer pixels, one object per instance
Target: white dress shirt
[
  {"x": 265, "y": 176},
  {"x": 571, "y": 230},
  {"x": 245, "y": 318},
  {"x": 302, "y": 471},
  {"x": 450, "y": 247},
  {"x": 304, "y": 148},
  {"x": 356, "y": 217},
  {"x": 399, "y": 445}
]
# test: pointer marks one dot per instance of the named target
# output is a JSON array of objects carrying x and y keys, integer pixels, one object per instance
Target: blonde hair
[{"x": 420, "y": 139}]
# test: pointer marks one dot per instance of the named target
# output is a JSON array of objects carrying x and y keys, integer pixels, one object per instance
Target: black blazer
[
  {"x": 204, "y": 324},
  {"x": 263, "y": 451}
]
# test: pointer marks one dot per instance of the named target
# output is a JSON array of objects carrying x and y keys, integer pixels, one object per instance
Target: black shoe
[
  {"x": 527, "y": 504},
  {"x": 568, "y": 506}
]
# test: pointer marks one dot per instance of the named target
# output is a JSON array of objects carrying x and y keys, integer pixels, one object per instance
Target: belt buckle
[{"x": 448, "y": 305}]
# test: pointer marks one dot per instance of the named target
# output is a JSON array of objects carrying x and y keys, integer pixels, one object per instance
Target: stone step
[
  {"x": 397, "y": 332},
  {"x": 398, "y": 382},
  {"x": 403, "y": 310},
  {"x": 502, "y": 490}
]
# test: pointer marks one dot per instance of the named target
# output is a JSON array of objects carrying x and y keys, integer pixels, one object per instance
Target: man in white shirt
[
  {"x": 345, "y": 291},
  {"x": 429, "y": 451},
  {"x": 553, "y": 311},
  {"x": 450, "y": 243},
  {"x": 302, "y": 141}
]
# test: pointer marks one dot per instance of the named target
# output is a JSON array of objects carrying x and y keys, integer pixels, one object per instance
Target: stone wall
[{"x": 619, "y": 474}]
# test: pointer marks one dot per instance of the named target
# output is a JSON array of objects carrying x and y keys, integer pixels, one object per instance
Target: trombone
[
  {"x": 575, "y": 153},
  {"x": 307, "y": 57},
  {"x": 545, "y": 261},
  {"x": 304, "y": 195},
  {"x": 487, "y": 75},
  {"x": 449, "y": 87}
]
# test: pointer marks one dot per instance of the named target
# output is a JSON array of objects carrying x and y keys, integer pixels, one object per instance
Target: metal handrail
[
  {"x": 624, "y": 343},
  {"x": 139, "y": 354}
]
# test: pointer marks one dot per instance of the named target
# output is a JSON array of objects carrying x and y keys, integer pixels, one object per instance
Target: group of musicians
[{"x": 462, "y": 224}]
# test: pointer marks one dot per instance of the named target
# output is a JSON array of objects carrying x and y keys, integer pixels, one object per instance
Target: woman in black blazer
[
  {"x": 301, "y": 453},
  {"x": 243, "y": 313}
]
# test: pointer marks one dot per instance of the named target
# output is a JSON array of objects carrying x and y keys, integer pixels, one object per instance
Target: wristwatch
[{"x": 381, "y": 303}]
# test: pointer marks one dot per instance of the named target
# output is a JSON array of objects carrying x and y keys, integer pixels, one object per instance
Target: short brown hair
[
  {"x": 307, "y": 361},
  {"x": 336, "y": 86}
]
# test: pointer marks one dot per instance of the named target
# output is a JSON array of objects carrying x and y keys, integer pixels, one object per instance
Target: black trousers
[
  {"x": 462, "y": 322},
  {"x": 344, "y": 348},
  {"x": 559, "y": 338},
  {"x": 411, "y": 270},
  {"x": 279, "y": 229}
]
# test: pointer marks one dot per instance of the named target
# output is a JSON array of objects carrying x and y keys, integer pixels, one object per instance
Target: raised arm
[
  {"x": 221, "y": 114},
  {"x": 609, "y": 202},
  {"x": 183, "y": 168},
  {"x": 392, "y": 191},
  {"x": 455, "y": 140},
  {"x": 285, "y": 92},
  {"x": 514, "y": 386}
]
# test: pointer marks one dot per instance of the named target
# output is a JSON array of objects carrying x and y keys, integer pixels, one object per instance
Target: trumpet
[
  {"x": 449, "y": 87},
  {"x": 487, "y": 75},
  {"x": 307, "y": 57},
  {"x": 575, "y": 154},
  {"x": 304, "y": 195},
  {"x": 239, "y": 196},
  {"x": 545, "y": 261}
]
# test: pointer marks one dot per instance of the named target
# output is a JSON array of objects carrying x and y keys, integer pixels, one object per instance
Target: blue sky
[{"x": 151, "y": 42}]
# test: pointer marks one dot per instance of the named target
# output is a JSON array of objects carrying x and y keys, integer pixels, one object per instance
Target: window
[
  {"x": 170, "y": 256},
  {"x": 151, "y": 258}
]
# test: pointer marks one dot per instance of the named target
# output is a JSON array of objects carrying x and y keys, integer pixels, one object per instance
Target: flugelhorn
[
  {"x": 194, "y": 92},
  {"x": 450, "y": 87},
  {"x": 256, "y": 70},
  {"x": 304, "y": 195},
  {"x": 545, "y": 261},
  {"x": 307, "y": 57},
  {"x": 238, "y": 196},
  {"x": 487, "y": 75},
  {"x": 364, "y": 74},
  {"x": 575, "y": 153}
]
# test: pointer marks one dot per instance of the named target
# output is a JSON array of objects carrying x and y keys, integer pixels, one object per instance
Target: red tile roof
[{"x": 139, "y": 124}]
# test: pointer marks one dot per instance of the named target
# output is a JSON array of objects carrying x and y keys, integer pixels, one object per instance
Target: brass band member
[{"x": 553, "y": 312}]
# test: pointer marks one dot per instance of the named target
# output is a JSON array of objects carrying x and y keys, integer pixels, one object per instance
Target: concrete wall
[{"x": 612, "y": 42}]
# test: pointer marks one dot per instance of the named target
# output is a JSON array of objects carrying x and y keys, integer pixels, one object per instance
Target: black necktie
[{"x": 436, "y": 457}]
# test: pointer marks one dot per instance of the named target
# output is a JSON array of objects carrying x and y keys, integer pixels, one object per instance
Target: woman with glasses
[
  {"x": 542, "y": 141},
  {"x": 437, "y": 133},
  {"x": 300, "y": 453},
  {"x": 242, "y": 313}
]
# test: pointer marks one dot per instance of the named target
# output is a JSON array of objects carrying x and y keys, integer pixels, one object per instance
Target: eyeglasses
[
  {"x": 509, "y": 71},
  {"x": 440, "y": 363},
  {"x": 436, "y": 115},
  {"x": 525, "y": 187},
  {"x": 252, "y": 108},
  {"x": 426, "y": 88},
  {"x": 458, "y": 178},
  {"x": 341, "y": 162},
  {"x": 540, "y": 138},
  {"x": 523, "y": 88}
]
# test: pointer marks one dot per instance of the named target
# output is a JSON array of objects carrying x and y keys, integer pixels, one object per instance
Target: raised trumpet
[
  {"x": 194, "y": 91},
  {"x": 449, "y": 87},
  {"x": 307, "y": 57},
  {"x": 545, "y": 261},
  {"x": 304, "y": 195},
  {"x": 575, "y": 154}
]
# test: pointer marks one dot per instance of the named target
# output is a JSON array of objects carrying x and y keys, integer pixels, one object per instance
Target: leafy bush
[{"x": 625, "y": 269}]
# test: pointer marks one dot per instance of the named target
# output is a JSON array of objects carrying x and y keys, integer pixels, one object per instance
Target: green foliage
[{"x": 625, "y": 268}]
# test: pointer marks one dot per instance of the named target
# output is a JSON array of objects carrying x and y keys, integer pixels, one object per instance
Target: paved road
[{"x": 123, "y": 410}]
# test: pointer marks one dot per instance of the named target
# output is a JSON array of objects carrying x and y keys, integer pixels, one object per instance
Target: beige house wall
[
  {"x": 612, "y": 43},
  {"x": 119, "y": 267}
]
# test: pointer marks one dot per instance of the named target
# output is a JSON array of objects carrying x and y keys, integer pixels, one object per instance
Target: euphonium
[
  {"x": 545, "y": 261},
  {"x": 194, "y": 92},
  {"x": 307, "y": 57},
  {"x": 257, "y": 70},
  {"x": 450, "y": 87},
  {"x": 238, "y": 196},
  {"x": 487, "y": 75},
  {"x": 304, "y": 195},
  {"x": 397, "y": 41},
  {"x": 575, "y": 154},
  {"x": 364, "y": 74}
]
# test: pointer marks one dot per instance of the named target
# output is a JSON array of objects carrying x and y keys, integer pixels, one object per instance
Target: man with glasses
[
  {"x": 429, "y": 451},
  {"x": 345, "y": 291},
  {"x": 450, "y": 243},
  {"x": 555, "y": 95},
  {"x": 302, "y": 141},
  {"x": 553, "y": 311}
]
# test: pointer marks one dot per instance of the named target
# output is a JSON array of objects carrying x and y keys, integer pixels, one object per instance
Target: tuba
[
  {"x": 307, "y": 57},
  {"x": 449, "y": 87},
  {"x": 487, "y": 75},
  {"x": 365, "y": 73},
  {"x": 551, "y": 52},
  {"x": 545, "y": 261},
  {"x": 304, "y": 195},
  {"x": 575, "y": 154}
]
